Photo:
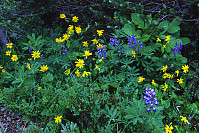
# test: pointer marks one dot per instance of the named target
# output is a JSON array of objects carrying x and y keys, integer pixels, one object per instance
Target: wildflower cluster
[
  {"x": 177, "y": 49},
  {"x": 150, "y": 99},
  {"x": 101, "y": 51},
  {"x": 134, "y": 43}
]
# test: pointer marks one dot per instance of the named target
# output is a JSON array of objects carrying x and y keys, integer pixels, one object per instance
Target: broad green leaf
[
  {"x": 145, "y": 38},
  {"x": 137, "y": 20},
  {"x": 129, "y": 29},
  {"x": 173, "y": 29},
  {"x": 185, "y": 40}
]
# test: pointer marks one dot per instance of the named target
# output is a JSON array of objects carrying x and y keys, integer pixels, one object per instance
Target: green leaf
[
  {"x": 145, "y": 38},
  {"x": 137, "y": 20},
  {"x": 129, "y": 29},
  {"x": 163, "y": 25},
  {"x": 173, "y": 29},
  {"x": 185, "y": 40}
]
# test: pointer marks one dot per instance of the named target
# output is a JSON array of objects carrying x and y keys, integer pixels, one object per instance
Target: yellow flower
[
  {"x": 62, "y": 16},
  {"x": 78, "y": 29},
  {"x": 85, "y": 43},
  {"x": 100, "y": 60},
  {"x": 58, "y": 119},
  {"x": 164, "y": 46},
  {"x": 153, "y": 83},
  {"x": 97, "y": 67},
  {"x": 1, "y": 66},
  {"x": 184, "y": 119},
  {"x": 28, "y": 66},
  {"x": 80, "y": 63},
  {"x": 87, "y": 54},
  {"x": 44, "y": 68},
  {"x": 35, "y": 54},
  {"x": 67, "y": 72},
  {"x": 3, "y": 71},
  {"x": 168, "y": 129},
  {"x": 180, "y": 81},
  {"x": 85, "y": 73},
  {"x": 167, "y": 39},
  {"x": 95, "y": 41},
  {"x": 8, "y": 53},
  {"x": 177, "y": 72},
  {"x": 99, "y": 32},
  {"x": 59, "y": 40},
  {"x": 14, "y": 58},
  {"x": 9, "y": 45},
  {"x": 66, "y": 37},
  {"x": 165, "y": 75},
  {"x": 100, "y": 46},
  {"x": 165, "y": 88},
  {"x": 29, "y": 58},
  {"x": 71, "y": 29},
  {"x": 185, "y": 68},
  {"x": 39, "y": 88},
  {"x": 133, "y": 54},
  {"x": 141, "y": 79},
  {"x": 77, "y": 72},
  {"x": 75, "y": 19},
  {"x": 164, "y": 68},
  {"x": 158, "y": 40}
]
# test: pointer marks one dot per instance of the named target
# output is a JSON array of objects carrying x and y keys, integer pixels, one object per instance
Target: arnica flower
[
  {"x": 35, "y": 54},
  {"x": 134, "y": 43},
  {"x": 153, "y": 82},
  {"x": 164, "y": 68},
  {"x": 164, "y": 88},
  {"x": 180, "y": 81},
  {"x": 185, "y": 68},
  {"x": 43, "y": 68},
  {"x": 168, "y": 129},
  {"x": 39, "y": 88},
  {"x": 177, "y": 49},
  {"x": 164, "y": 46},
  {"x": 66, "y": 36},
  {"x": 67, "y": 72},
  {"x": 177, "y": 72},
  {"x": 87, "y": 54},
  {"x": 150, "y": 99},
  {"x": 3, "y": 71},
  {"x": 62, "y": 16},
  {"x": 184, "y": 119},
  {"x": 95, "y": 41},
  {"x": 168, "y": 39},
  {"x": 99, "y": 32},
  {"x": 28, "y": 66},
  {"x": 97, "y": 67},
  {"x": 58, "y": 119},
  {"x": 78, "y": 29},
  {"x": 141, "y": 79},
  {"x": 101, "y": 51},
  {"x": 1, "y": 66},
  {"x": 64, "y": 50},
  {"x": 59, "y": 40},
  {"x": 80, "y": 63},
  {"x": 77, "y": 73},
  {"x": 30, "y": 49},
  {"x": 8, "y": 53},
  {"x": 165, "y": 75},
  {"x": 133, "y": 53},
  {"x": 75, "y": 19},
  {"x": 14, "y": 58},
  {"x": 158, "y": 40},
  {"x": 70, "y": 29},
  {"x": 85, "y": 73},
  {"x": 85, "y": 43},
  {"x": 9, "y": 45}
]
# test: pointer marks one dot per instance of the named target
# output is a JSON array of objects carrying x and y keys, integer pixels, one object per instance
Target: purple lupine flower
[
  {"x": 42, "y": 56},
  {"x": 114, "y": 41},
  {"x": 51, "y": 32},
  {"x": 177, "y": 49},
  {"x": 30, "y": 49},
  {"x": 101, "y": 51},
  {"x": 121, "y": 49},
  {"x": 150, "y": 99},
  {"x": 64, "y": 50},
  {"x": 134, "y": 43}
]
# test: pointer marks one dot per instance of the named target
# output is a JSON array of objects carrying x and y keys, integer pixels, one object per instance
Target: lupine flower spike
[{"x": 150, "y": 99}]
